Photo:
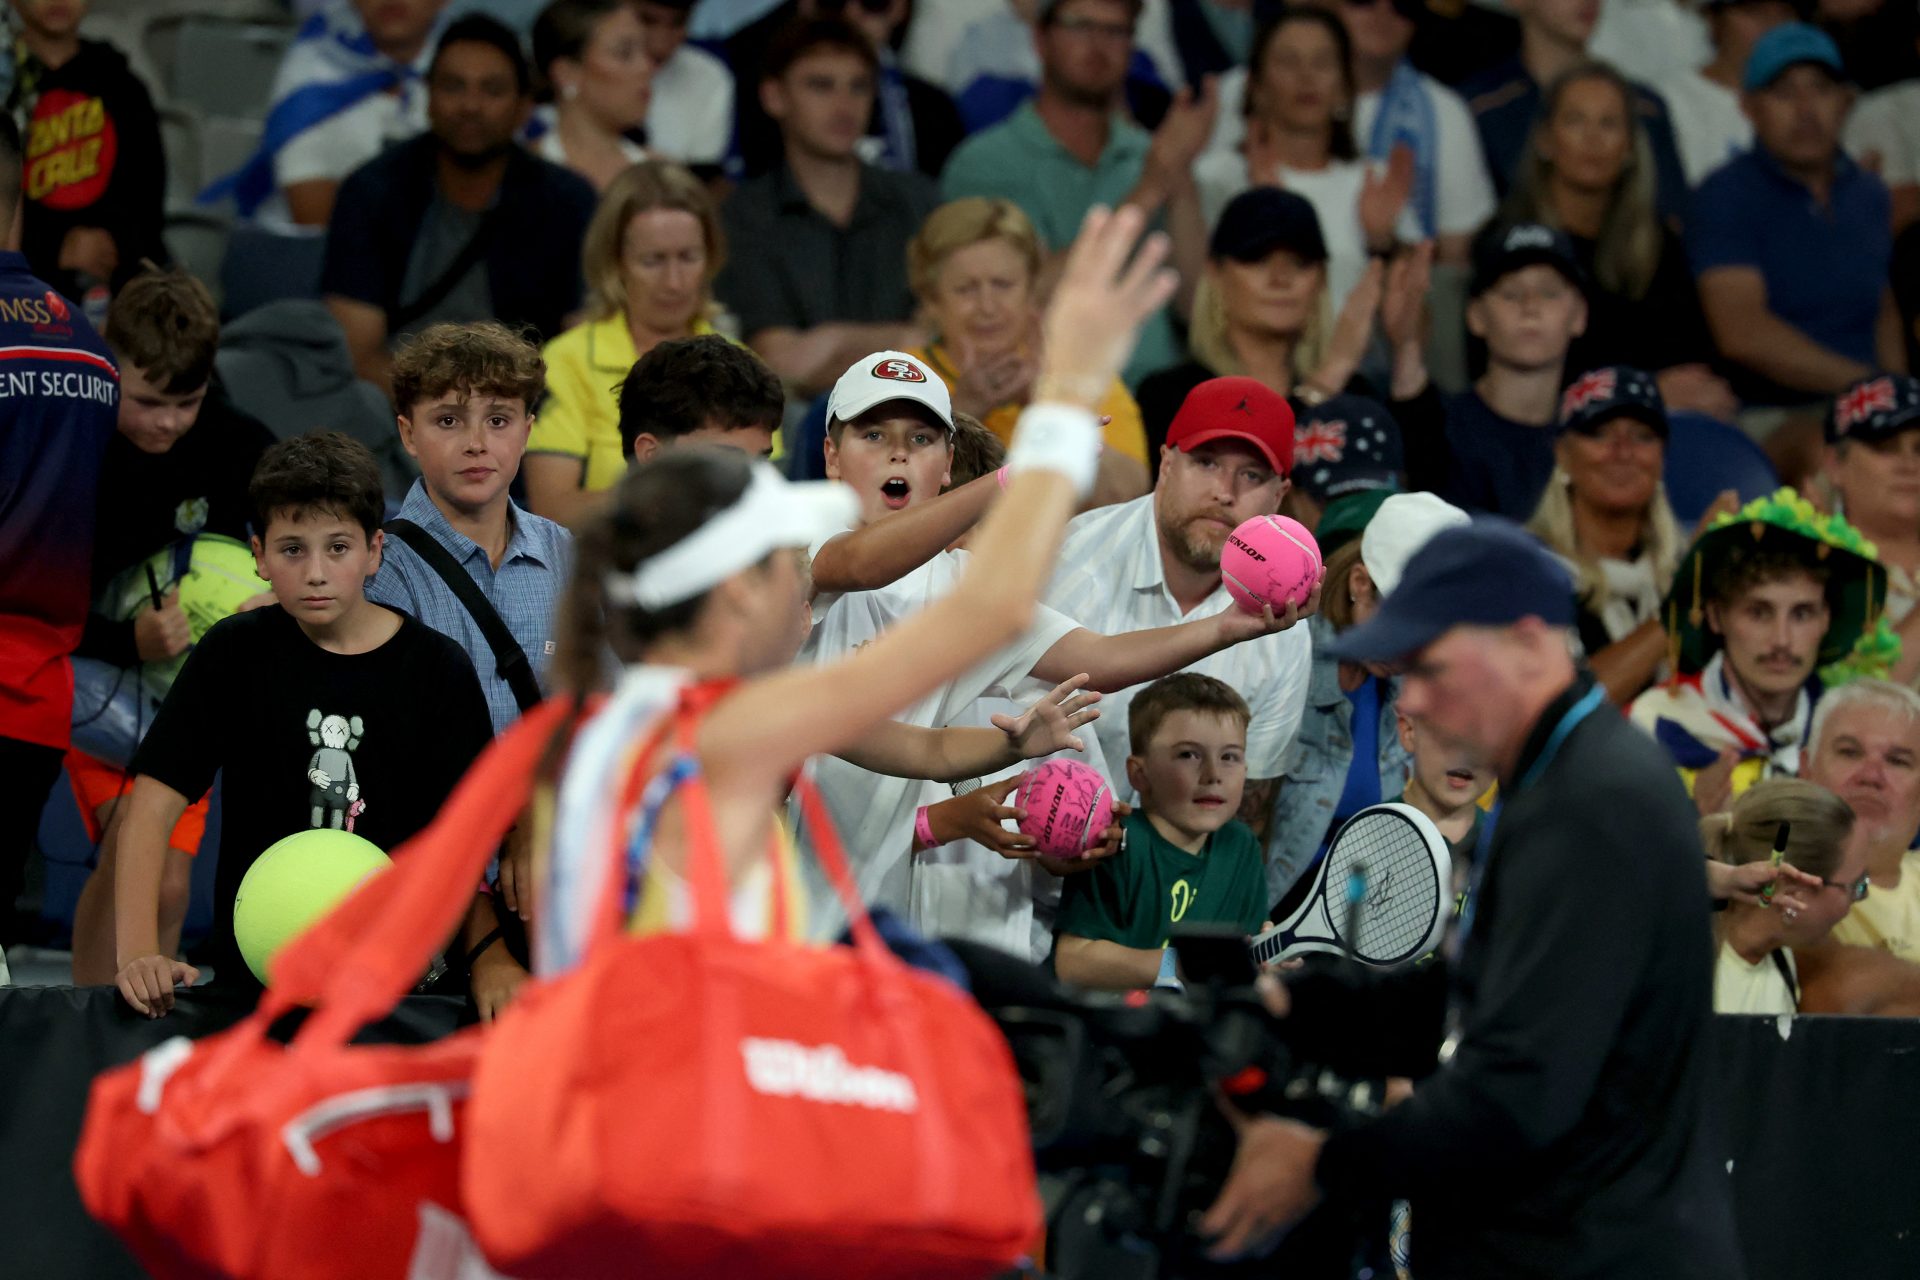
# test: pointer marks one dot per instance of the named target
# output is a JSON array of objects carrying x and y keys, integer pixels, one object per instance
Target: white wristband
[{"x": 1058, "y": 437}]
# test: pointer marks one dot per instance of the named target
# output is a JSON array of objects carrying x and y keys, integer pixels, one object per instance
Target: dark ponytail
[{"x": 652, "y": 508}]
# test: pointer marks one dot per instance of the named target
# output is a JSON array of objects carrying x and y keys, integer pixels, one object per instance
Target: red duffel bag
[
  {"x": 698, "y": 1104},
  {"x": 239, "y": 1156}
]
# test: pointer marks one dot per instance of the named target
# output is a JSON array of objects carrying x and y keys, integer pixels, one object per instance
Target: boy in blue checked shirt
[{"x": 471, "y": 563}]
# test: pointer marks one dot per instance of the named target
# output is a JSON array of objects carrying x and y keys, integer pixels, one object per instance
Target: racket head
[{"x": 1409, "y": 872}]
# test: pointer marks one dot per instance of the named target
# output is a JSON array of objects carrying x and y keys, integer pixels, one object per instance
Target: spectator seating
[
  {"x": 262, "y": 265},
  {"x": 1706, "y": 457},
  {"x": 197, "y": 240},
  {"x": 226, "y": 143},
  {"x": 180, "y": 139},
  {"x": 223, "y": 67}
]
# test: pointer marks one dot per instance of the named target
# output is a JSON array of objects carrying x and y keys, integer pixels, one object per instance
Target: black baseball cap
[
  {"x": 1488, "y": 573},
  {"x": 1262, "y": 219},
  {"x": 1875, "y": 408},
  {"x": 1598, "y": 396},
  {"x": 1501, "y": 250},
  {"x": 1346, "y": 444}
]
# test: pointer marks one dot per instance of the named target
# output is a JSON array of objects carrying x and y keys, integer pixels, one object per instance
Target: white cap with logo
[{"x": 889, "y": 375}]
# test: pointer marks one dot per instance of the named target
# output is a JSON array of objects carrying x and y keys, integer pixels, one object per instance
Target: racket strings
[{"x": 1402, "y": 890}]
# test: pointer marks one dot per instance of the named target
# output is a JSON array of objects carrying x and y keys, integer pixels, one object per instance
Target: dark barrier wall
[{"x": 1820, "y": 1126}]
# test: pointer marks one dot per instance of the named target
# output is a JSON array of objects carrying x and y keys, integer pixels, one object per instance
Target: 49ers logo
[{"x": 899, "y": 371}]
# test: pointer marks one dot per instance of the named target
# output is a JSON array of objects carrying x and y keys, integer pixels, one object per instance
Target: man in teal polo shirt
[{"x": 1071, "y": 147}]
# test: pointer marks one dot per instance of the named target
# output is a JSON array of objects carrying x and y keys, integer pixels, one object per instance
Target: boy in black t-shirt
[
  {"x": 273, "y": 699},
  {"x": 176, "y": 471},
  {"x": 1187, "y": 860}
]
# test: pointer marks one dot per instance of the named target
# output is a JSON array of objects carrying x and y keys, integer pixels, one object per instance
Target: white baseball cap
[
  {"x": 889, "y": 375},
  {"x": 1399, "y": 528}
]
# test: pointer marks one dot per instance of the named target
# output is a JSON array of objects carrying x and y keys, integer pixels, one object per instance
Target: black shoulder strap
[
  {"x": 510, "y": 661},
  {"x": 443, "y": 284},
  {"x": 1786, "y": 975}
]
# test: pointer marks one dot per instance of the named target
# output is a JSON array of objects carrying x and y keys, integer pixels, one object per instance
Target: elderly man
[
  {"x": 1865, "y": 748},
  {"x": 1562, "y": 1133}
]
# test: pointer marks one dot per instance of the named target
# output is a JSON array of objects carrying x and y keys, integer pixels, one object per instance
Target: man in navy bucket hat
[{"x": 1574, "y": 1068}]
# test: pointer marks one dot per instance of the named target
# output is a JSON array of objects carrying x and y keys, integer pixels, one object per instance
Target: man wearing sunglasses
[{"x": 1865, "y": 747}]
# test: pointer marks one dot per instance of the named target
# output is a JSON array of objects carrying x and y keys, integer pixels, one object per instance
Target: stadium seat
[
  {"x": 1705, "y": 457},
  {"x": 197, "y": 241},
  {"x": 180, "y": 141},
  {"x": 226, "y": 143},
  {"x": 263, "y": 266},
  {"x": 220, "y": 66}
]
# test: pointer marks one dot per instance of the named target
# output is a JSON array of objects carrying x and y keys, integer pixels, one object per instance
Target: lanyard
[{"x": 1481, "y": 847}]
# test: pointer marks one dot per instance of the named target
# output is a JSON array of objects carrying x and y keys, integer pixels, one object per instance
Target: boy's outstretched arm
[
  {"x": 902, "y": 750},
  {"x": 1104, "y": 965},
  {"x": 146, "y": 978},
  {"x": 893, "y": 546}
]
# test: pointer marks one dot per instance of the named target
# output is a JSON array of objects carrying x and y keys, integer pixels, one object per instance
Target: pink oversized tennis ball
[
  {"x": 1270, "y": 560},
  {"x": 1068, "y": 805}
]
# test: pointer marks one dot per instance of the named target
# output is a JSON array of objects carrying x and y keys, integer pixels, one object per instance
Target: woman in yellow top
[
  {"x": 650, "y": 256},
  {"x": 975, "y": 267}
]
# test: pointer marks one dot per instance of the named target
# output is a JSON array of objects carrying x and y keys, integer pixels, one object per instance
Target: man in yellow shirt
[{"x": 1865, "y": 747}]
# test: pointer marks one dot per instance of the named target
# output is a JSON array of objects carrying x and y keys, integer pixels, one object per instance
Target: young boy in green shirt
[{"x": 1187, "y": 860}]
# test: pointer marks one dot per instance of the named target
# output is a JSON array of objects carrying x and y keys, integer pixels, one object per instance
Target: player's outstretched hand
[
  {"x": 1048, "y": 725},
  {"x": 147, "y": 982},
  {"x": 1112, "y": 282}
]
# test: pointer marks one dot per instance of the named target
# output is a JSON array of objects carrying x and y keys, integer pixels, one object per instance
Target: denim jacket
[{"x": 1316, "y": 767}]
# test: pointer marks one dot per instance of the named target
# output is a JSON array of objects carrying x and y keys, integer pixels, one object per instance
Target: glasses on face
[
  {"x": 1075, "y": 25},
  {"x": 1856, "y": 891}
]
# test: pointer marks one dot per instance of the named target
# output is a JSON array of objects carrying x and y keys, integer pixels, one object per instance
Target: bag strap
[
  {"x": 405, "y": 313},
  {"x": 359, "y": 959},
  {"x": 509, "y": 659}
]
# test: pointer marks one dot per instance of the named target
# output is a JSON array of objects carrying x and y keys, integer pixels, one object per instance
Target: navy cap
[
  {"x": 1489, "y": 573},
  {"x": 1786, "y": 46},
  {"x": 1346, "y": 444},
  {"x": 1874, "y": 408},
  {"x": 1262, "y": 219},
  {"x": 1596, "y": 398},
  {"x": 1501, "y": 251}
]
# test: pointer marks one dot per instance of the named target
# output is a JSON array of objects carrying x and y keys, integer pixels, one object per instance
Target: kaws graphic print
[{"x": 336, "y": 785}]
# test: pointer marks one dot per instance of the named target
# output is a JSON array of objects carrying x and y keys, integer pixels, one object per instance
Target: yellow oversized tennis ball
[
  {"x": 218, "y": 578},
  {"x": 290, "y": 886}
]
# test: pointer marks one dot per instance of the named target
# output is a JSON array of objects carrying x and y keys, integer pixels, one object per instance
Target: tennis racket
[{"x": 1403, "y": 869}]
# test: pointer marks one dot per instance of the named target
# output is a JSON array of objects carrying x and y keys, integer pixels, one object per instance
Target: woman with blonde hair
[
  {"x": 975, "y": 267},
  {"x": 1589, "y": 172},
  {"x": 1811, "y": 830},
  {"x": 1605, "y": 513},
  {"x": 650, "y": 256}
]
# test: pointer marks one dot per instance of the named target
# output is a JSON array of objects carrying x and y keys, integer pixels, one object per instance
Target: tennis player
[{"x": 1560, "y": 1133}]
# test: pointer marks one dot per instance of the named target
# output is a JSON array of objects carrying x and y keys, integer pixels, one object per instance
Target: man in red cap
[{"x": 1155, "y": 561}]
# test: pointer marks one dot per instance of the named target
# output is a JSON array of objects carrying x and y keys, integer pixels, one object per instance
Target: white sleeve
[
  {"x": 708, "y": 141},
  {"x": 1278, "y": 704},
  {"x": 331, "y": 149},
  {"x": 1153, "y": 36},
  {"x": 1002, "y": 673},
  {"x": 1876, "y": 127},
  {"x": 1465, "y": 197}
]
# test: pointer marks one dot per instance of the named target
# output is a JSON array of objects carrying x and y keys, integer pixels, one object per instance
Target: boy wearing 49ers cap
[{"x": 889, "y": 437}]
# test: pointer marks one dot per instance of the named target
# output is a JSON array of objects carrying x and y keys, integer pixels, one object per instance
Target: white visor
[{"x": 771, "y": 514}]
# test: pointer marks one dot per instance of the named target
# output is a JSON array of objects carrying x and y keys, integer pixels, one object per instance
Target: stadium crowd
[{"x": 504, "y": 293}]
